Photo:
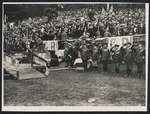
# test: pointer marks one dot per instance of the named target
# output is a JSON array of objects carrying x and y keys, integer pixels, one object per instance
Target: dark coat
[
  {"x": 66, "y": 55},
  {"x": 116, "y": 56},
  {"x": 85, "y": 54},
  {"x": 128, "y": 55},
  {"x": 140, "y": 56},
  {"x": 24, "y": 48},
  {"x": 105, "y": 55},
  {"x": 95, "y": 55}
]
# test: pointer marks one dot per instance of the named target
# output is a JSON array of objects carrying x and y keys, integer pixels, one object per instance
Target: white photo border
[{"x": 79, "y": 108}]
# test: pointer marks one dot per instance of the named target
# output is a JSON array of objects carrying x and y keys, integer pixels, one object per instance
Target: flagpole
[
  {"x": 5, "y": 18},
  {"x": 107, "y": 7}
]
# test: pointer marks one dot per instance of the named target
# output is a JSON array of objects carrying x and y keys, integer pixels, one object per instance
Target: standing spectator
[
  {"x": 85, "y": 55},
  {"x": 140, "y": 56},
  {"x": 95, "y": 57},
  {"x": 116, "y": 58},
  {"x": 105, "y": 58},
  {"x": 66, "y": 57},
  {"x": 64, "y": 37},
  {"x": 107, "y": 33},
  {"x": 128, "y": 59}
]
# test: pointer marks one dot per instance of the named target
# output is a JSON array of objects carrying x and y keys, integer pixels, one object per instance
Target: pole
[
  {"x": 5, "y": 18},
  {"x": 107, "y": 6},
  {"x": 17, "y": 75}
]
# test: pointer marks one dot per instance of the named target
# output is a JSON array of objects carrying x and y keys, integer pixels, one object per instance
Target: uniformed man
[
  {"x": 71, "y": 54},
  {"x": 116, "y": 58},
  {"x": 128, "y": 58},
  {"x": 85, "y": 55},
  {"x": 105, "y": 57},
  {"x": 48, "y": 58},
  {"x": 34, "y": 49},
  {"x": 140, "y": 57},
  {"x": 95, "y": 57},
  {"x": 74, "y": 54},
  {"x": 7, "y": 47},
  {"x": 66, "y": 57}
]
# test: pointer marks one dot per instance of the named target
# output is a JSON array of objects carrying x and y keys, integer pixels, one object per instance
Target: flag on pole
[
  {"x": 103, "y": 11},
  {"x": 111, "y": 9},
  {"x": 107, "y": 7},
  {"x": 61, "y": 6}
]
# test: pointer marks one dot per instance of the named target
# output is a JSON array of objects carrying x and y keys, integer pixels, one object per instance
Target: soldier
[
  {"x": 95, "y": 57},
  {"x": 128, "y": 58},
  {"x": 71, "y": 54},
  {"x": 74, "y": 54},
  {"x": 24, "y": 48},
  {"x": 34, "y": 49},
  {"x": 85, "y": 55},
  {"x": 116, "y": 58},
  {"x": 99, "y": 51},
  {"x": 48, "y": 58},
  {"x": 140, "y": 56},
  {"x": 7, "y": 47},
  {"x": 66, "y": 57},
  {"x": 105, "y": 57},
  {"x": 64, "y": 37}
]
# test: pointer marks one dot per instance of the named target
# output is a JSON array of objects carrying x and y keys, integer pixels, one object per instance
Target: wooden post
[
  {"x": 31, "y": 54},
  {"x": 17, "y": 75}
]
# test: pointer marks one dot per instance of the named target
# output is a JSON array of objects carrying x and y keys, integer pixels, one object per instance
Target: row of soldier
[{"x": 128, "y": 54}]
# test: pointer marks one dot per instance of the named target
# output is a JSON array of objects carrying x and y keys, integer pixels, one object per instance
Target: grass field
[{"x": 74, "y": 88}]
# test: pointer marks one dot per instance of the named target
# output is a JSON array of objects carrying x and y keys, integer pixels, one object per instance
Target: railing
[
  {"x": 35, "y": 58},
  {"x": 12, "y": 64}
]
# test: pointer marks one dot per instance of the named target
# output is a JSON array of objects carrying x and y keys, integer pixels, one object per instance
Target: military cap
[
  {"x": 141, "y": 42},
  {"x": 104, "y": 43},
  {"x": 84, "y": 43},
  {"x": 128, "y": 43},
  {"x": 116, "y": 45}
]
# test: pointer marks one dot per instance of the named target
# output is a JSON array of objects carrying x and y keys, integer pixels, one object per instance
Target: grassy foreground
[{"x": 74, "y": 88}]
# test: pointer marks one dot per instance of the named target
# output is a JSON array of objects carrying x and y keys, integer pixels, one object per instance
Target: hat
[
  {"x": 69, "y": 44},
  {"x": 104, "y": 43},
  {"x": 84, "y": 43},
  {"x": 116, "y": 45},
  {"x": 128, "y": 43}
]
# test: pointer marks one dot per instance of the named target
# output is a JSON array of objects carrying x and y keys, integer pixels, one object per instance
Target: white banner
[{"x": 118, "y": 40}]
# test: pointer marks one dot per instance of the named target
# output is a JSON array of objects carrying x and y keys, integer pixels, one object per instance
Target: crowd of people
[
  {"x": 81, "y": 25},
  {"x": 98, "y": 53},
  {"x": 74, "y": 24}
]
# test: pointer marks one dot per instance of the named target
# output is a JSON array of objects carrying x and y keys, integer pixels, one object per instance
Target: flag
[
  {"x": 61, "y": 6},
  {"x": 103, "y": 11},
  {"x": 111, "y": 9},
  {"x": 107, "y": 7}
]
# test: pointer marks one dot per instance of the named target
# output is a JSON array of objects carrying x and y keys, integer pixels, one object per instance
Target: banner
[
  {"x": 51, "y": 45},
  {"x": 138, "y": 38},
  {"x": 118, "y": 40}
]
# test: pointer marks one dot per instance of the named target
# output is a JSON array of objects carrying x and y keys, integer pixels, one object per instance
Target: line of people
[{"x": 98, "y": 53}]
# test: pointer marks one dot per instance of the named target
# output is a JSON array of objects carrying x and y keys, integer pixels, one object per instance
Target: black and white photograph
[{"x": 74, "y": 56}]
